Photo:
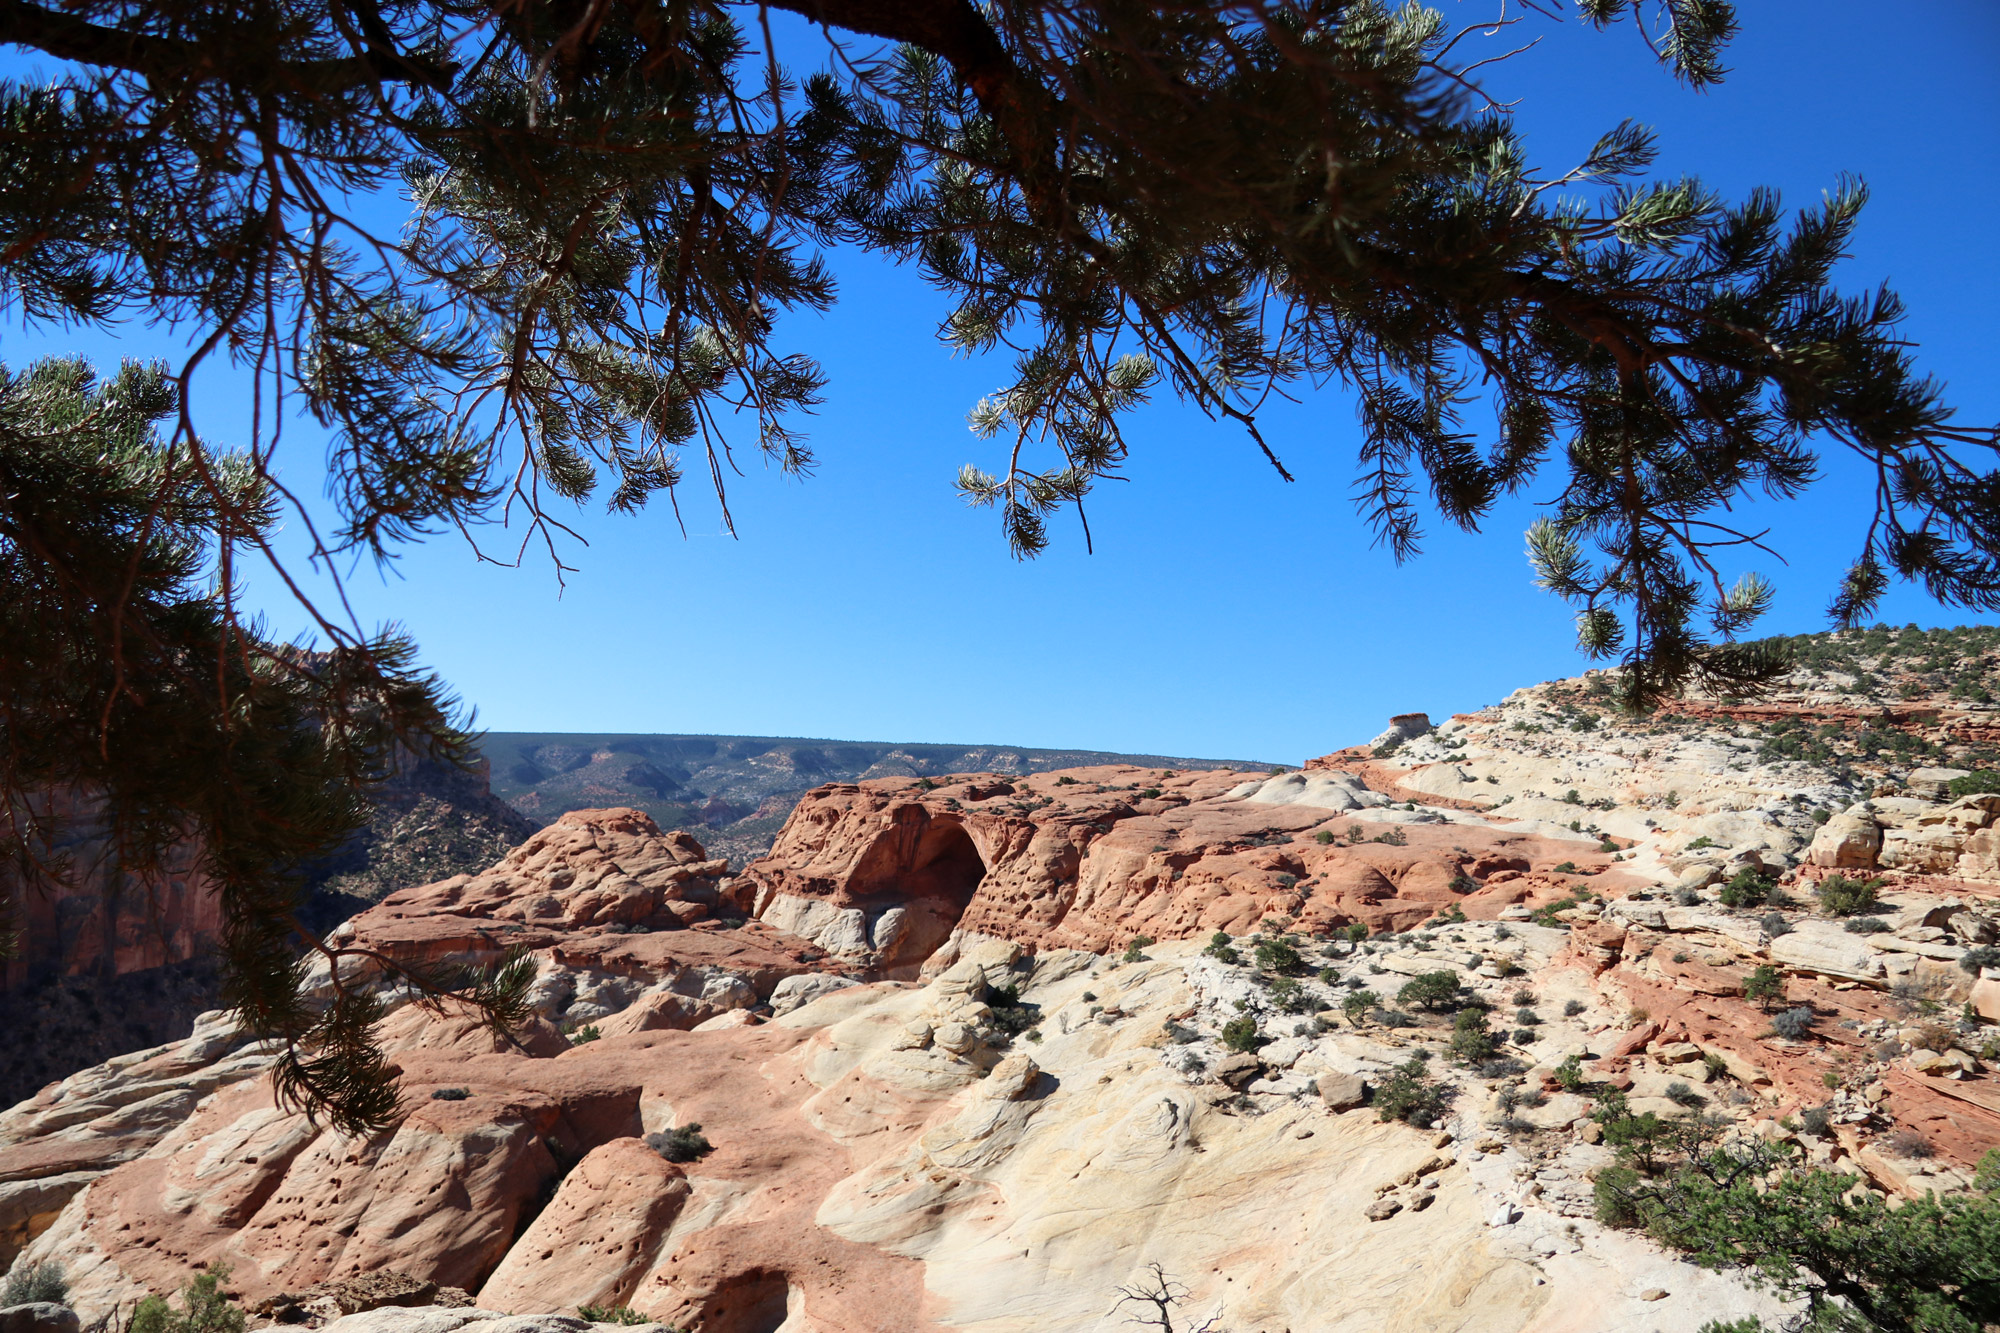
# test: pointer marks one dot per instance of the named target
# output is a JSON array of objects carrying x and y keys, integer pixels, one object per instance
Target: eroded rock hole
[{"x": 912, "y": 907}]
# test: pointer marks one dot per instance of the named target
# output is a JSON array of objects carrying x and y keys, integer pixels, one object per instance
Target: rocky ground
[{"x": 970, "y": 1053}]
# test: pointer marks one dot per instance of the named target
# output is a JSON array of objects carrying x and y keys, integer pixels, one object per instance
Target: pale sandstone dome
[{"x": 884, "y": 1162}]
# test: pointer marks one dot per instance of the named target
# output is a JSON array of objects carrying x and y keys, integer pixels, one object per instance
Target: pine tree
[
  {"x": 135, "y": 709},
  {"x": 612, "y": 205}
]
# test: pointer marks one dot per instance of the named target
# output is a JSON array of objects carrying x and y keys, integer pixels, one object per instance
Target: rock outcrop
[{"x": 883, "y": 874}]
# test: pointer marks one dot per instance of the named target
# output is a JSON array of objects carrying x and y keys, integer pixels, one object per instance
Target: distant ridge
[{"x": 734, "y": 792}]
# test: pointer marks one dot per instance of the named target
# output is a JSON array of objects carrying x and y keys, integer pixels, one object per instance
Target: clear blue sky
[{"x": 1224, "y": 613}]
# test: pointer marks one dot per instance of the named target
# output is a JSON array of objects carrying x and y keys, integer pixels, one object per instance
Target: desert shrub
[
  {"x": 1179, "y": 1035},
  {"x": 1523, "y": 1036},
  {"x": 1409, "y": 1095},
  {"x": 204, "y": 1308},
  {"x": 1524, "y": 996},
  {"x": 1795, "y": 1023},
  {"x": 1323, "y": 837},
  {"x": 1816, "y": 1121},
  {"x": 1567, "y": 868},
  {"x": 1430, "y": 990},
  {"x": 1395, "y": 837},
  {"x": 1680, "y": 1094},
  {"x": 1013, "y": 1015},
  {"x": 1687, "y": 897},
  {"x": 1471, "y": 1042},
  {"x": 680, "y": 1143},
  {"x": 1569, "y": 1074},
  {"x": 1279, "y": 956},
  {"x": 1985, "y": 956},
  {"x": 1747, "y": 888},
  {"x": 1840, "y": 896},
  {"x": 1328, "y": 977},
  {"x": 1503, "y": 931},
  {"x": 1866, "y": 925},
  {"x": 584, "y": 1035},
  {"x": 1680, "y": 955},
  {"x": 1290, "y": 996},
  {"x": 1907, "y": 1143},
  {"x": 620, "y": 1314},
  {"x": 1065, "y": 781},
  {"x": 1219, "y": 948},
  {"x": 36, "y": 1284},
  {"x": 1464, "y": 883},
  {"x": 1505, "y": 1066},
  {"x": 1240, "y": 1034},
  {"x": 1527, "y": 1017},
  {"x": 1614, "y": 1195},
  {"x": 1764, "y": 984},
  {"x": 1717, "y": 1066},
  {"x": 450, "y": 1094},
  {"x": 1775, "y": 925},
  {"x": 1358, "y": 1003},
  {"x": 1571, "y": 1008},
  {"x": 1135, "y": 951}
]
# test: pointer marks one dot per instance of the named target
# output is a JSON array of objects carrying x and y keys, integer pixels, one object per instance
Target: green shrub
[
  {"x": 1471, "y": 1042},
  {"x": 1290, "y": 996},
  {"x": 1240, "y": 1034},
  {"x": 450, "y": 1094},
  {"x": 1840, "y": 896},
  {"x": 1866, "y": 925},
  {"x": 1569, "y": 1074},
  {"x": 1323, "y": 837},
  {"x": 584, "y": 1035},
  {"x": 1430, "y": 990},
  {"x": 1219, "y": 948},
  {"x": 36, "y": 1284},
  {"x": 1747, "y": 888},
  {"x": 204, "y": 1308},
  {"x": 1409, "y": 1095},
  {"x": 1358, "y": 1005},
  {"x": 1764, "y": 985},
  {"x": 1135, "y": 952},
  {"x": 1279, "y": 956},
  {"x": 1357, "y": 932},
  {"x": 1571, "y": 1008},
  {"x": 680, "y": 1143},
  {"x": 1774, "y": 924},
  {"x": 624, "y": 1314}
]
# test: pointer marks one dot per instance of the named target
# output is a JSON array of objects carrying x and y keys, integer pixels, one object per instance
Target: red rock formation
[{"x": 881, "y": 872}]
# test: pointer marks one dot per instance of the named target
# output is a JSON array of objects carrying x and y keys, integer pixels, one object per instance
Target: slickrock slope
[{"x": 881, "y": 1164}]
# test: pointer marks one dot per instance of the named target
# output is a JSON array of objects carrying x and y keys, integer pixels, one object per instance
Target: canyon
[{"x": 965, "y": 1051}]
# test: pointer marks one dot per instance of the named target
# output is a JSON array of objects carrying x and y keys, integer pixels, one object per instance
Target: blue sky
[{"x": 1224, "y": 613}]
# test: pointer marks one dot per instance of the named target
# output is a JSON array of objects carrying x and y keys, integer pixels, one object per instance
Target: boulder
[
  {"x": 1851, "y": 841},
  {"x": 1238, "y": 1071},
  {"x": 39, "y": 1317},
  {"x": 1342, "y": 1092},
  {"x": 1826, "y": 948},
  {"x": 803, "y": 989}
]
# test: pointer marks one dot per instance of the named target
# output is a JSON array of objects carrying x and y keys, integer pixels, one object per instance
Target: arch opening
[{"x": 913, "y": 907}]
